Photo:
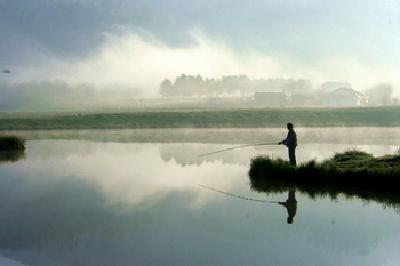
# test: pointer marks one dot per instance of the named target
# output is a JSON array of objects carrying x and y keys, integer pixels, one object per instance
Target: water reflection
[
  {"x": 190, "y": 153},
  {"x": 11, "y": 156},
  {"x": 318, "y": 191},
  {"x": 291, "y": 205},
  {"x": 92, "y": 203}
]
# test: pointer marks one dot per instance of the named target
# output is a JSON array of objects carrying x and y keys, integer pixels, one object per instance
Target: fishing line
[
  {"x": 236, "y": 147},
  {"x": 237, "y": 196}
]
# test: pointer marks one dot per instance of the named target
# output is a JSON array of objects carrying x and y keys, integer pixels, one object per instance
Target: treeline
[
  {"x": 49, "y": 95},
  {"x": 189, "y": 85},
  {"x": 296, "y": 92}
]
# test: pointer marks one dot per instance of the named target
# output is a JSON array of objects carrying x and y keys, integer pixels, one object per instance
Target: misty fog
[
  {"x": 137, "y": 44},
  {"x": 212, "y": 132},
  {"x": 192, "y": 91}
]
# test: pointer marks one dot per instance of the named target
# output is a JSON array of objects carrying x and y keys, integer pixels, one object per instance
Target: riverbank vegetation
[
  {"x": 11, "y": 143},
  {"x": 352, "y": 171},
  {"x": 12, "y": 148},
  {"x": 238, "y": 118},
  {"x": 11, "y": 156}
]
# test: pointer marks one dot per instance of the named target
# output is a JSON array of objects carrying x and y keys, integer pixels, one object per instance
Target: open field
[{"x": 238, "y": 118}]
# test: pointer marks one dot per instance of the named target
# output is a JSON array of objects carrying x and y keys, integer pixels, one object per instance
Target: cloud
[
  {"x": 141, "y": 42},
  {"x": 306, "y": 30}
]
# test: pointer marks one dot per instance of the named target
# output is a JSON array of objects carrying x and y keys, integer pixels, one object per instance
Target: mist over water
[{"x": 86, "y": 198}]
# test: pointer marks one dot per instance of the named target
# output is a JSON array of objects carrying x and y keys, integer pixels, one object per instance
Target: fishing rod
[
  {"x": 236, "y": 147},
  {"x": 238, "y": 196}
]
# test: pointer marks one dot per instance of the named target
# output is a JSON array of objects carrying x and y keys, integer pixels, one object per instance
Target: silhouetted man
[
  {"x": 291, "y": 143},
  {"x": 291, "y": 206}
]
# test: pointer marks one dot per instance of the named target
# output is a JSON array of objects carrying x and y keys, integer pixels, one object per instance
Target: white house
[{"x": 344, "y": 97}]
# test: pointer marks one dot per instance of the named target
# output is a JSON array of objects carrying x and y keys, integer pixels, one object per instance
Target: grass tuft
[
  {"x": 354, "y": 169},
  {"x": 11, "y": 143}
]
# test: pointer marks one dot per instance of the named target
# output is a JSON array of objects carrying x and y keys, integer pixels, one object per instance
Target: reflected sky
[{"x": 79, "y": 202}]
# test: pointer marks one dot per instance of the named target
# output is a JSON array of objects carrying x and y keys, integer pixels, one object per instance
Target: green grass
[
  {"x": 238, "y": 118},
  {"x": 352, "y": 170},
  {"x": 11, "y": 143}
]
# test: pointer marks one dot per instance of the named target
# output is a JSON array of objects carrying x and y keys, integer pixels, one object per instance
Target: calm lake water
[{"x": 135, "y": 197}]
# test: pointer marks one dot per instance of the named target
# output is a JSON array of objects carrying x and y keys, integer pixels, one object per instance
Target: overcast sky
[{"x": 141, "y": 41}]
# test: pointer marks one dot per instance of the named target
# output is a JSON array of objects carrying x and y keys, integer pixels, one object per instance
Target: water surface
[{"x": 134, "y": 198}]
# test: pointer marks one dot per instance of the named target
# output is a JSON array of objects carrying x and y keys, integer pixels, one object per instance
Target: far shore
[{"x": 235, "y": 118}]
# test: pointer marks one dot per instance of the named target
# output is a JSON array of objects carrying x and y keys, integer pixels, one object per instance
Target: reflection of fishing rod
[
  {"x": 237, "y": 196},
  {"x": 236, "y": 147}
]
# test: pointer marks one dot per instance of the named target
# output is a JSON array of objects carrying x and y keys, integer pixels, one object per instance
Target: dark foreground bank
[
  {"x": 352, "y": 172},
  {"x": 12, "y": 148},
  {"x": 11, "y": 143},
  {"x": 239, "y": 118}
]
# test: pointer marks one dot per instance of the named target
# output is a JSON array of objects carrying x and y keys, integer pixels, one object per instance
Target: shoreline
[
  {"x": 350, "y": 170},
  {"x": 239, "y": 118},
  {"x": 348, "y": 136}
]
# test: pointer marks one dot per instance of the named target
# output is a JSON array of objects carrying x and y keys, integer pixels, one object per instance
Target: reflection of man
[
  {"x": 291, "y": 206},
  {"x": 291, "y": 143}
]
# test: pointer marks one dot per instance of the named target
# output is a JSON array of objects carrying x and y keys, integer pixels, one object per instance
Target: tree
[
  {"x": 166, "y": 88},
  {"x": 380, "y": 94}
]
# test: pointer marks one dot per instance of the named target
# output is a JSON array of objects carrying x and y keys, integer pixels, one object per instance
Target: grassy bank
[
  {"x": 11, "y": 143},
  {"x": 12, "y": 148},
  {"x": 240, "y": 118},
  {"x": 11, "y": 156},
  {"x": 349, "y": 171}
]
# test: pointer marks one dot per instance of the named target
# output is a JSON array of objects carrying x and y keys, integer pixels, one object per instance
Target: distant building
[
  {"x": 235, "y": 78},
  {"x": 344, "y": 97},
  {"x": 299, "y": 100},
  {"x": 330, "y": 86},
  {"x": 270, "y": 98}
]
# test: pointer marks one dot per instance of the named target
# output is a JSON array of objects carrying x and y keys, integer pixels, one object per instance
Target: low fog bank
[
  {"x": 186, "y": 146},
  {"x": 281, "y": 91},
  {"x": 216, "y": 75},
  {"x": 228, "y": 136},
  {"x": 191, "y": 92},
  {"x": 56, "y": 96}
]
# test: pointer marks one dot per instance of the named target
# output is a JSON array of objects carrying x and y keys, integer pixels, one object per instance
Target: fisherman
[
  {"x": 291, "y": 206},
  {"x": 291, "y": 143}
]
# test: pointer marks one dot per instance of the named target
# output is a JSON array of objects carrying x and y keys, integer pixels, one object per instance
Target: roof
[{"x": 346, "y": 92}]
